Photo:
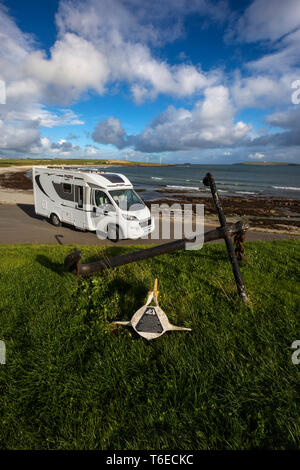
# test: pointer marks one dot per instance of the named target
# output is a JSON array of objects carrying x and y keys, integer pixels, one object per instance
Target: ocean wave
[
  {"x": 245, "y": 192},
  {"x": 230, "y": 183},
  {"x": 287, "y": 188},
  {"x": 194, "y": 188},
  {"x": 156, "y": 178}
]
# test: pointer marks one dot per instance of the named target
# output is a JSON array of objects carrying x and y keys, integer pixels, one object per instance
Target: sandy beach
[{"x": 15, "y": 187}]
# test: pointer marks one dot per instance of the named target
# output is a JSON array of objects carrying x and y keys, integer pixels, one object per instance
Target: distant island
[{"x": 267, "y": 163}]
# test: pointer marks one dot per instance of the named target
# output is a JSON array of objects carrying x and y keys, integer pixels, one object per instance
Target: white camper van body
[{"x": 91, "y": 199}]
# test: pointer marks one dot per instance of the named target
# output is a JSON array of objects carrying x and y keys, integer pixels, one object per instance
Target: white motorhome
[{"x": 91, "y": 199}]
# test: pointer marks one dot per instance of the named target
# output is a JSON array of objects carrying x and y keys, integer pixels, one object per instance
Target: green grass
[
  {"x": 73, "y": 382},
  {"x": 4, "y": 162},
  {"x": 44, "y": 161}
]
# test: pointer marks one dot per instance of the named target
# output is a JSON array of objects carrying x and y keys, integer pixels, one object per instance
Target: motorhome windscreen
[{"x": 127, "y": 199}]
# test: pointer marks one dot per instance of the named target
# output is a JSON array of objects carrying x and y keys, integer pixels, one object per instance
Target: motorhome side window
[
  {"x": 79, "y": 196},
  {"x": 67, "y": 188},
  {"x": 101, "y": 199}
]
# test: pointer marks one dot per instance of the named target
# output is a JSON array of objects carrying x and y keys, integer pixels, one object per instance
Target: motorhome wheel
[{"x": 55, "y": 220}]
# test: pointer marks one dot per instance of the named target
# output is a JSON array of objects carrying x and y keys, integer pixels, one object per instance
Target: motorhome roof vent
[{"x": 113, "y": 178}]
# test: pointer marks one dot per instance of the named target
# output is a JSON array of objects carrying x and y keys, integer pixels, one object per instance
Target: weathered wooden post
[{"x": 209, "y": 181}]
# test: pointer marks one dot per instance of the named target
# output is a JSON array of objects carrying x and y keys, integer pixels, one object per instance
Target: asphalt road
[{"x": 20, "y": 224}]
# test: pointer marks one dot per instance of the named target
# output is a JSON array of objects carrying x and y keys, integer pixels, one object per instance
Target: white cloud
[
  {"x": 75, "y": 66},
  {"x": 24, "y": 89},
  {"x": 15, "y": 45},
  {"x": 106, "y": 43},
  {"x": 262, "y": 90},
  {"x": 133, "y": 21},
  {"x": 110, "y": 131},
  {"x": 289, "y": 119},
  {"x": 268, "y": 20},
  {"x": 121, "y": 31},
  {"x": 100, "y": 43},
  {"x": 283, "y": 134},
  {"x": 41, "y": 117},
  {"x": 35, "y": 145},
  {"x": 284, "y": 56},
  {"x": 266, "y": 81},
  {"x": 256, "y": 156},
  {"x": 16, "y": 138},
  {"x": 24, "y": 112},
  {"x": 210, "y": 124},
  {"x": 16, "y": 141},
  {"x": 151, "y": 77}
]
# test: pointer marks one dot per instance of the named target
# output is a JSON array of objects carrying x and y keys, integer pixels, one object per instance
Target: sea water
[
  {"x": 263, "y": 181},
  {"x": 277, "y": 181}
]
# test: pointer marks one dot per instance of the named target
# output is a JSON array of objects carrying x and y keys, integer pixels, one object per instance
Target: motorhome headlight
[{"x": 129, "y": 217}]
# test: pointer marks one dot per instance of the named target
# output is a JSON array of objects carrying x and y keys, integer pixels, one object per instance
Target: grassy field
[
  {"x": 4, "y": 162},
  {"x": 72, "y": 381}
]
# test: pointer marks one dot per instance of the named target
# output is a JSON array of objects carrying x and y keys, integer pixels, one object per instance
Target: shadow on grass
[
  {"x": 132, "y": 295},
  {"x": 105, "y": 252},
  {"x": 57, "y": 268},
  {"x": 222, "y": 256}
]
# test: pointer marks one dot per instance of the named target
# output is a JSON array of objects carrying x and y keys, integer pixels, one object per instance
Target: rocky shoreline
[
  {"x": 16, "y": 180},
  {"x": 270, "y": 213}
]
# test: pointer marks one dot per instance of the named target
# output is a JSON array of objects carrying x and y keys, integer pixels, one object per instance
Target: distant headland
[{"x": 267, "y": 163}]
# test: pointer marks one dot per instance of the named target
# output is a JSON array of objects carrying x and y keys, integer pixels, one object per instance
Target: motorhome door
[
  {"x": 103, "y": 210},
  {"x": 79, "y": 211}
]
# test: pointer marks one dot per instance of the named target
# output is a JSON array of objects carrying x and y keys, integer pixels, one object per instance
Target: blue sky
[{"x": 199, "y": 80}]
